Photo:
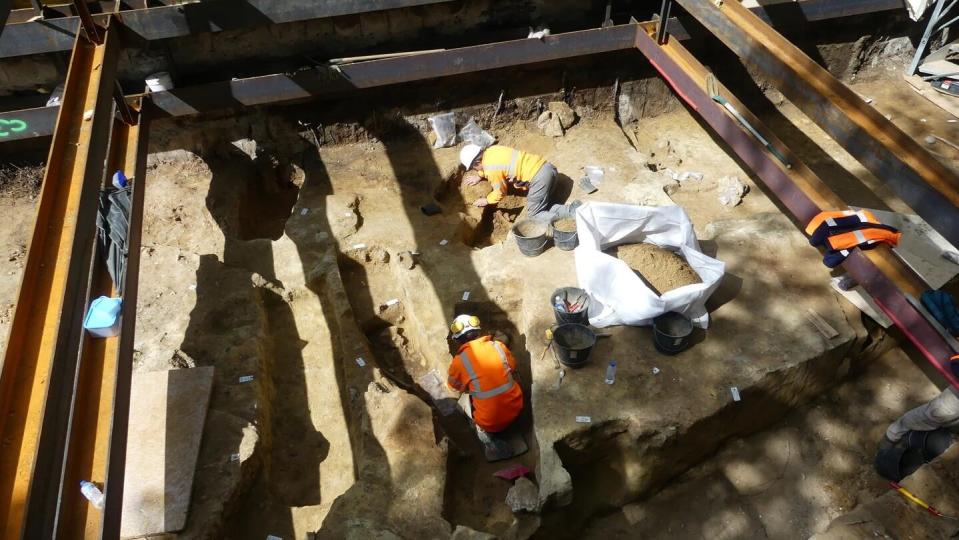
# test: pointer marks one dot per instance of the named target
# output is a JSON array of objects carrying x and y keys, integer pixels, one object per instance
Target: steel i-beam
[
  {"x": 930, "y": 188},
  {"x": 35, "y": 383},
  {"x": 96, "y": 447}
]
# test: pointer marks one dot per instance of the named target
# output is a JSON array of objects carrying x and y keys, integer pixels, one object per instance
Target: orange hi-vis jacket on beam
[
  {"x": 483, "y": 368},
  {"x": 873, "y": 234},
  {"x": 502, "y": 165}
]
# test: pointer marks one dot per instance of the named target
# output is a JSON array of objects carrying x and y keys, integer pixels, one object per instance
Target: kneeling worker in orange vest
[
  {"x": 484, "y": 369},
  {"x": 502, "y": 166}
]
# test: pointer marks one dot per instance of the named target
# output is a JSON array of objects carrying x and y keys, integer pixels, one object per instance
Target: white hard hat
[
  {"x": 463, "y": 324},
  {"x": 468, "y": 154}
]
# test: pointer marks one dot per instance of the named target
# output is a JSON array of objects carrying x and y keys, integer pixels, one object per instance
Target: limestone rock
[
  {"x": 523, "y": 496},
  {"x": 731, "y": 191},
  {"x": 563, "y": 111},
  {"x": 463, "y": 532},
  {"x": 554, "y": 128},
  {"x": 405, "y": 260},
  {"x": 543, "y": 119}
]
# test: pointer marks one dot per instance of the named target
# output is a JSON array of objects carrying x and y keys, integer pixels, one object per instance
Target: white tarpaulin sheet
[{"x": 617, "y": 295}]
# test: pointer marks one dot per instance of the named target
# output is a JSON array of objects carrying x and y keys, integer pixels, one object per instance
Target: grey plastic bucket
[
  {"x": 671, "y": 332},
  {"x": 530, "y": 236},
  {"x": 564, "y": 240},
  {"x": 572, "y": 344},
  {"x": 577, "y": 299}
]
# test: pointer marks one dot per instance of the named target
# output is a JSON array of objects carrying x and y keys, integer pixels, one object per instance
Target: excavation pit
[{"x": 318, "y": 275}]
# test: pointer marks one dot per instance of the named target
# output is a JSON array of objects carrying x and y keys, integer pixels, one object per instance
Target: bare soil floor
[
  {"x": 321, "y": 279},
  {"x": 789, "y": 481}
]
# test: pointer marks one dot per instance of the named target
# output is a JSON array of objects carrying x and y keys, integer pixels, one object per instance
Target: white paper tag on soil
[
  {"x": 305, "y": 211},
  {"x": 360, "y": 362},
  {"x": 735, "y": 392},
  {"x": 583, "y": 420},
  {"x": 234, "y": 457},
  {"x": 444, "y": 241},
  {"x": 246, "y": 378},
  {"x": 466, "y": 295},
  {"x": 655, "y": 371}
]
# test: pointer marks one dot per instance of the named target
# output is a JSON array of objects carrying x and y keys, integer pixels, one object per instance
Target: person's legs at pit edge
[
  {"x": 541, "y": 189},
  {"x": 941, "y": 411}
]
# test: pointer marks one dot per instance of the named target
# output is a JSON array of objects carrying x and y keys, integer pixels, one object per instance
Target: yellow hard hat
[{"x": 463, "y": 324}]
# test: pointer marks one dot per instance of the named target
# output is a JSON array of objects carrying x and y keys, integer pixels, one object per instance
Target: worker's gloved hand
[
  {"x": 472, "y": 179},
  {"x": 481, "y": 202}
]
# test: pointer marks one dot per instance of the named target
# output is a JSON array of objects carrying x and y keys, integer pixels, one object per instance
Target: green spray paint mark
[{"x": 11, "y": 126}]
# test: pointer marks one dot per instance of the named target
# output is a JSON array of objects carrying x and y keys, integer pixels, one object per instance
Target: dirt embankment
[{"x": 660, "y": 268}]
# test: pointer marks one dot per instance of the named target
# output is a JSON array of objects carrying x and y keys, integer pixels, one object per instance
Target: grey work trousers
[
  {"x": 541, "y": 189},
  {"x": 941, "y": 411}
]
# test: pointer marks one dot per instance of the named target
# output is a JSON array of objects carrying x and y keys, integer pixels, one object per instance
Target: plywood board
[{"x": 167, "y": 413}]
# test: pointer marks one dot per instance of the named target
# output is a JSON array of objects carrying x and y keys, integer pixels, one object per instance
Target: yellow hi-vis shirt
[{"x": 502, "y": 165}]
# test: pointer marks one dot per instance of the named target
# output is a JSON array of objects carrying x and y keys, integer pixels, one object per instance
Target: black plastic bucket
[
  {"x": 564, "y": 240},
  {"x": 570, "y": 305},
  {"x": 931, "y": 443},
  {"x": 530, "y": 236},
  {"x": 572, "y": 344},
  {"x": 671, "y": 332},
  {"x": 898, "y": 462}
]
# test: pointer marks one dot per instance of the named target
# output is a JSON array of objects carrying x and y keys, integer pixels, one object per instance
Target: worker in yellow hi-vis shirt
[{"x": 502, "y": 166}]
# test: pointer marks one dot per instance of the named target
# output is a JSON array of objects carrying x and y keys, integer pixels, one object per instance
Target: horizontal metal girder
[
  {"x": 802, "y": 193},
  {"x": 164, "y": 22},
  {"x": 930, "y": 188},
  {"x": 320, "y": 82}
]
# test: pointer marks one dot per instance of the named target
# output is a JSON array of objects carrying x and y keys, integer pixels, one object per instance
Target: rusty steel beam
[
  {"x": 35, "y": 382},
  {"x": 343, "y": 79},
  {"x": 930, "y": 188},
  {"x": 184, "y": 19},
  {"x": 96, "y": 447},
  {"x": 803, "y": 194},
  {"x": 164, "y": 22},
  {"x": 135, "y": 162}
]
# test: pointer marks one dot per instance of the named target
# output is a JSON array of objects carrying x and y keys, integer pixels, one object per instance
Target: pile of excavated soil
[
  {"x": 662, "y": 269},
  {"x": 508, "y": 209},
  {"x": 565, "y": 225},
  {"x": 471, "y": 193}
]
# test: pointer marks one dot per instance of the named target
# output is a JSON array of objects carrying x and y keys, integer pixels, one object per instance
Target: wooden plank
[{"x": 944, "y": 102}]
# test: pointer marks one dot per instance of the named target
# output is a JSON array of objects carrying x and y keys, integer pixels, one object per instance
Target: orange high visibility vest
[
  {"x": 865, "y": 215},
  {"x": 872, "y": 235},
  {"x": 502, "y": 165},
  {"x": 484, "y": 369}
]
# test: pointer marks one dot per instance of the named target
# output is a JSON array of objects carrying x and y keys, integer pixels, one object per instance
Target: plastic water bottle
[
  {"x": 92, "y": 494},
  {"x": 611, "y": 373}
]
